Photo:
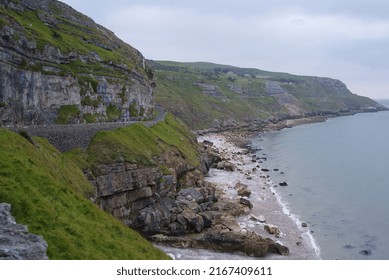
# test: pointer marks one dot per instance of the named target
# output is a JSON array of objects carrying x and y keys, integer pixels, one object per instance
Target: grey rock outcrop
[
  {"x": 149, "y": 201},
  {"x": 16, "y": 243},
  {"x": 249, "y": 243}
]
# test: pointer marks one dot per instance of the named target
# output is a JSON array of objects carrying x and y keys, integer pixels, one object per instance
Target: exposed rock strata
[
  {"x": 16, "y": 243},
  {"x": 181, "y": 208},
  {"x": 38, "y": 78}
]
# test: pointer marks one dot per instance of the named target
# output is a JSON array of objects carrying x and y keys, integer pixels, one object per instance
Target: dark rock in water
[
  {"x": 304, "y": 224},
  {"x": 16, "y": 243},
  {"x": 365, "y": 252},
  {"x": 265, "y": 170},
  {"x": 275, "y": 169},
  {"x": 283, "y": 184}
]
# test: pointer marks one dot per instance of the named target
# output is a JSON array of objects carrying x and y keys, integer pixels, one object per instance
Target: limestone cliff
[
  {"x": 223, "y": 96},
  {"x": 139, "y": 174},
  {"x": 59, "y": 66}
]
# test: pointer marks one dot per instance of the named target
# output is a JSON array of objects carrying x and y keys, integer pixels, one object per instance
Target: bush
[
  {"x": 88, "y": 101},
  {"x": 66, "y": 113},
  {"x": 89, "y": 118},
  {"x": 112, "y": 112},
  {"x": 133, "y": 110}
]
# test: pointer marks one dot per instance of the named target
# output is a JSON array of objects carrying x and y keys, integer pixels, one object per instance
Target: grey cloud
[{"x": 345, "y": 39}]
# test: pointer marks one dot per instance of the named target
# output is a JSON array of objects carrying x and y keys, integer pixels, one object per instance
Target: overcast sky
[{"x": 343, "y": 39}]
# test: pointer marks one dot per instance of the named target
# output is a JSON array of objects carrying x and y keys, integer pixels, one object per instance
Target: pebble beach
[{"x": 267, "y": 211}]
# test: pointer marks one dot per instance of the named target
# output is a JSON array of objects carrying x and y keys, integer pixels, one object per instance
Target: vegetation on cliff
[
  {"x": 49, "y": 194},
  {"x": 143, "y": 145},
  {"x": 205, "y": 94},
  {"x": 53, "y": 56}
]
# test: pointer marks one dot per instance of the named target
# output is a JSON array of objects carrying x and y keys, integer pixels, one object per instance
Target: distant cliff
[
  {"x": 59, "y": 66},
  {"x": 211, "y": 95}
]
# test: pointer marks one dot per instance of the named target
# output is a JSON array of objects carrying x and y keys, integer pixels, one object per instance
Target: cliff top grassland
[
  {"x": 49, "y": 193},
  {"x": 204, "y": 94},
  {"x": 53, "y": 24}
]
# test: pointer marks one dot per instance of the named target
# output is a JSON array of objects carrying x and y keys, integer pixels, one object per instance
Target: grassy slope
[
  {"x": 71, "y": 37},
  {"x": 177, "y": 89},
  {"x": 140, "y": 144},
  {"x": 48, "y": 193}
]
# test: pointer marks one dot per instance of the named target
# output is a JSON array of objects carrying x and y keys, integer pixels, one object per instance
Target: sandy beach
[{"x": 266, "y": 204}]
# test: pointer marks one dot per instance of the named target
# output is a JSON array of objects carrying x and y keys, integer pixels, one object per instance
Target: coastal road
[{"x": 68, "y": 137}]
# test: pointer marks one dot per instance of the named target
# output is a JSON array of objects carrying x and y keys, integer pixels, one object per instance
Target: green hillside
[
  {"x": 204, "y": 94},
  {"x": 49, "y": 194},
  {"x": 60, "y": 27}
]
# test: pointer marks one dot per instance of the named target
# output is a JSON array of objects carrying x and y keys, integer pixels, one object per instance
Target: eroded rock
[{"x": 16, "y": 243}]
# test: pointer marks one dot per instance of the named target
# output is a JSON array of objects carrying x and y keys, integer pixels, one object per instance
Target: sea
[{"x": 337, "y": 177}]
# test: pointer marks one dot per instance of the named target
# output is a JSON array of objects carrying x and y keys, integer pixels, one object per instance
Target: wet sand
[{"x": 265, "y": 203}]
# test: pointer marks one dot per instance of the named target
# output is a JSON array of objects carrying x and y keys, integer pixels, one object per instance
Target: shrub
[
  {"x": 133, "y": 110},
  {"x": 66, "y": 113},
  {"x": 89, "y": 118},
  {"x": 112, "y": 112}
]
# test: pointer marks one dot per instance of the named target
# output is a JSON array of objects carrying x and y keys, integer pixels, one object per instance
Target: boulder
[
  {"x": 273, "y": 230},
  {"x": 16, "y": 243},
  {"x": 246, "y": 202},
  {"x": 197, "y": 224},
  {"x": 229, "y": 166},
  {"x": 220, "y": 165},
  {"x": 231, "y": 225},
  {"x": 242, "y": 189},
  {"x": 283, "y": 184}
]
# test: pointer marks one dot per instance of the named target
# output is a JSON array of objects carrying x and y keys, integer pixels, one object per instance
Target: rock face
[
  {"x": 152, "y": 202},
  {"x": 16, "y": 243},
  {"x": 59, "y": 66}
]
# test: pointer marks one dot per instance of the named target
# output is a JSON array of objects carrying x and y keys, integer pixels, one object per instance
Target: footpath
[{"x": 68, "y": 137}]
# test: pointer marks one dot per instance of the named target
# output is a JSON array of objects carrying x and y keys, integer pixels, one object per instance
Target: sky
[{"x": 342, "y": 39}]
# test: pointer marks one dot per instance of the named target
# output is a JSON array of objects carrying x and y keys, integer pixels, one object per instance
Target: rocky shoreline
[{"x": 247, "y": 216}]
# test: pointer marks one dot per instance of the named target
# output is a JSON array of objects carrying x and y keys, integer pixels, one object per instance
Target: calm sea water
[{"x": 338, "y": 181}]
